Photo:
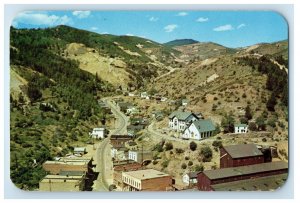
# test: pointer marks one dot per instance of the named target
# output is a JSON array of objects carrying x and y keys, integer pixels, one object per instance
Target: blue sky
[{"x": 229, "y": 28}]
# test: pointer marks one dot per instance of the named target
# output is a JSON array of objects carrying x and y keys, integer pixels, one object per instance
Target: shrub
[
  {"x": 179, "y": 151},
  {"x": 206, "y": 154},
  {"x": 165, "y": 163},
  {"x": 199, "y": 167},
  {"x": 155, "y": 162},
  {"x": 217, "y": 143},
  {"x": 169, "y": 146},
  {"x": 264, "y": 139},
  {"x": 183, "y": 166},
  {"x": 193, "y": 146},
  {"x": 190, "y": 163},
  {"x": 187, "y": 158}
]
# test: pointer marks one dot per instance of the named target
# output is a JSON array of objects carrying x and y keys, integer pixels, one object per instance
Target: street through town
[{"x": 103, "y": 155}]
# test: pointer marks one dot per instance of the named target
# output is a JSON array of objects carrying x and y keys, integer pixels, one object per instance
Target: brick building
[
  {"x": 146, "y": 180},
  {"x": 240, "y": 155},
  {"x": 207, "y": 179},
  {"x": 68, "y": 164},
  {"x": 118, "y": 141},
  {"x": 124, "y": 166}
]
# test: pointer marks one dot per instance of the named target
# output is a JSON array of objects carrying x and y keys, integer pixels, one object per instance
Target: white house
[
  {"x": 131, "y": 94},
  {"x": 190, "y": 178},
  {"x": 240, "y": 128},
  {"x": 179, "y": 120},
  {"x": 184, "y": 102},
  {"x": 140, "y": 156},
  {"x": 144, "y": 95},
  {"x": 132, "y": 110},
  {"x": 119, "y": 153},
  {"x": 98, "y": 133},
  {"x": 199, "y": 129}
]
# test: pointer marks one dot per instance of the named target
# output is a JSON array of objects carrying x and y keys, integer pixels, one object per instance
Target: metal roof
[
  {"x": 241, "y": 125},
  {"x": 146, "y": 174},
  {"x": 181, "y": 115},
  {"x": 245, "y": 170},
  {"x": 243, "y": 150},
  {"x": 204, "y": 125}
]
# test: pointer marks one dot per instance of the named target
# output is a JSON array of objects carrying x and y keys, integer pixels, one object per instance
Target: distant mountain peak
[{"x": 180, "y": 42}]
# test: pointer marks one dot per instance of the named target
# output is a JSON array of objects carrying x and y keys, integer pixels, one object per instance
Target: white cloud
[
  {"x": 104, "y": 33},
  {"x": 33, "y": 18},
  {"x": 182, "y": 14},
  {"x": 94, "y": 28},
  {"x": 201, "y": 19},
  {"x": 241, "y": 26},
  {"x": 223, "y": 28},
  {"x": 153, "y": 19},
  {"x": 81, "y": 14},
  {"x": 129, "y": 34},
  {"x": 170, "y": 28}
]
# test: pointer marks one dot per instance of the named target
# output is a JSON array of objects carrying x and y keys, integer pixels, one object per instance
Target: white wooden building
[
  {"x": 190, "y": 178},
  {"x": 98, "y": 133},
  {"x": 240, "y": 128},
  {"x": 199, "y": 129},
  {"x": 179, "y": 120}
]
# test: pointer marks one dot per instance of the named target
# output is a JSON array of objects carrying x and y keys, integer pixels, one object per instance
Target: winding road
[{"x": 103, "y": 156}]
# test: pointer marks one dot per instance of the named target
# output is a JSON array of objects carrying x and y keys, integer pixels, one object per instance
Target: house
[
  {"x": 240, "y": 128},
  {"x": 131, "y": 94},
  {"x": 79, "y": 150},
  {"x": 146, "y": 180},
  {"x": 184, "y": 102},
  {"x": 207, "y": 179},
  {"x": 144, "y": 95},
  {"x": 158, "y": 115},
  {"x": 240, "y": 155},
  {"x": 98, "y": 133},
  {"x": 190, "y": 178},
  {"x": 132, "y": 110},
  {"x": 199, "y": 129},
  {"x": 120, "y": 153},
  {"x": 133, "y": 129},
  {"x": 140, "y": 156},
  {"x": 123, "y": 106},
  {"x": 179, "y": 120}
]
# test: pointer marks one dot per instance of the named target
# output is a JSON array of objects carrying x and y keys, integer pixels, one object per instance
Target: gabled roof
[
  {"x": 242, "y": 150},
  {"x": 204, "y": 125},
  {"x": 241, "y": 125},
  {"x": 245, "y": 170},
  {"x": 193, "y": 174},
  {"x": 181, "y": 115}
]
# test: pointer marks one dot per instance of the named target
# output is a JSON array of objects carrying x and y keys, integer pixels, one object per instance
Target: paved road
[{"x": 103, "y": 156}]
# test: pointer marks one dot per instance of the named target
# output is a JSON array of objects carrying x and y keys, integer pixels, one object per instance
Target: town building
[
  {"x": 63, "y": 183},
  {"x": 122, "y": 166},
  {"x": 240, "y": 155},
  {"x": 98, "y": 133},
  {"x": 118, "y": 141},
  {"x": 146, "y": 180},
  {"x": 68, "y": 164},
  {"x": 199, "y": 129},
  {"x": 268, "y": 183},
  {"x": 207, "y": 179},
  {"x": 119, "y": 153},
  {"x": 140, "y": 156},
  {"x": 190, "y": 178},
  {"x": 123, "y": 106},
  {"x": 179, "y": 120},
  {"x": 144, "y": 95},
  {"x": 240, "y": 128}
]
